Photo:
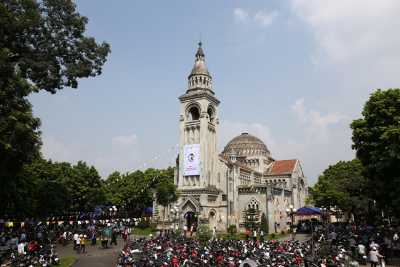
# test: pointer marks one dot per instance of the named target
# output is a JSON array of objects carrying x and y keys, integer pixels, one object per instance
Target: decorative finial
[{"x": 200, "y": 43}]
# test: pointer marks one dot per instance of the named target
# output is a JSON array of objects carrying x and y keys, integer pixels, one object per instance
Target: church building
[{"x": 216, "y": 188}]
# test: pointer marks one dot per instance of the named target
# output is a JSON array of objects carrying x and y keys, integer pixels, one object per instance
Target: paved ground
[
  {"x": 99, "y": 257},
  {"x": 300, "y": 237},
  {"x": 95, "y": 255}
]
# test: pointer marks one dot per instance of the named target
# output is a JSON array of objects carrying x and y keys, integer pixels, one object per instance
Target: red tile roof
[{"x": 282, "y": 167}]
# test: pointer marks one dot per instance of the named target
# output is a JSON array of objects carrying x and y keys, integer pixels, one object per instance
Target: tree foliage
[
  {"x": 42, "y": 47},
  {"x": 343, "y": 185},
  {"x": 135, "y": 191},
  {"x": 376, "y": 139},
  {"x": 166, "y": 193},
  {"x": 45, "y": 188},
  {"x": 264, "y": 223}
]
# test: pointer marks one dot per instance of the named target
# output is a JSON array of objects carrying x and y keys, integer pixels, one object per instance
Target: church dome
[{"x": 246, "y": 145}]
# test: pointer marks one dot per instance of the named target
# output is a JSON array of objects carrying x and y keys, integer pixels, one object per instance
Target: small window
[
  {"x": 193, "y": 114},
  {"x": 212, "y": 214},
  {"x": 210, "y": 112}
]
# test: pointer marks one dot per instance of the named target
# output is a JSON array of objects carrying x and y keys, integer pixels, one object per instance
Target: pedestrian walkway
[
  {"x": 95, "y": 255},
  {"x": 299, "y": 237}
]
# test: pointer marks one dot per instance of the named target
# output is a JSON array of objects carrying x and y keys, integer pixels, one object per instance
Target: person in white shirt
[
  {"x": 78, "y": 244},
  {"x": 75, "y": 237},
  {"x": 21, "y": 248},
  {"x": 185, "y": 228},
  {"x": 261, "y": 235},
  {"x": 214, "y": 234},
  {"x": 373, "y": 244},
  {"x": 374, "y": 257},
  {"x": 361, "y": 253}
]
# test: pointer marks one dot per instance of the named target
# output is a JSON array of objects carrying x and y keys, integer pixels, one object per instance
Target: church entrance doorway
[{"x": 191, "y": 221}]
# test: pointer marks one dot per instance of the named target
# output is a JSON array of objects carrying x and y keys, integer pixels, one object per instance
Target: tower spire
[{"x": 199, "y": 77}]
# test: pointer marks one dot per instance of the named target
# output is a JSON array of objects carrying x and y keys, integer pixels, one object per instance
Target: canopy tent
[{"x": 308, "y": 211}]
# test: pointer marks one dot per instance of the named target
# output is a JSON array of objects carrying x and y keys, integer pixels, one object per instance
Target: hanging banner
[{"x": 191, "y": 160}]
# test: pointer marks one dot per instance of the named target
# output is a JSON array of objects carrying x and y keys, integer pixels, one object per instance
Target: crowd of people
[
  {"x": 183, "y": 251},
  {"x": 32, "y": 242},
  {"x": 103, "y": 233},
  {"x": 28, "y": 243},
  {"x": 330, "y": 245},
  {"x": 366, "y": 244}
]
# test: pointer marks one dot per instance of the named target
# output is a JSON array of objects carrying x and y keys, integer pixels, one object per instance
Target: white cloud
[
  {"x": 124, "y": 140},
  {"x": 356, "y": 30},
  {"x": 56, "y": 149},
  {"x": 319, "y": 140},
  {"x": 263, "y": 18},
  {"x": 229, "y": 130},
  {"x": 316, "y": 125},
  {"x": 355, "y": 51},
  {"x": 240, "y": 14}
]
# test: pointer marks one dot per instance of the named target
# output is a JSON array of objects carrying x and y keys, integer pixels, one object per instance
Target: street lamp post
[
  {"x": 325, "y": 213},
  {"x": 291, "y": 211},
  {"x": 175, "y": 212}
]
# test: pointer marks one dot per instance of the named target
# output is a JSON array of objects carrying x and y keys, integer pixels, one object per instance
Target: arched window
[
  {"x": 193, "y": 114},
  {"x": 253, "y": 204}
]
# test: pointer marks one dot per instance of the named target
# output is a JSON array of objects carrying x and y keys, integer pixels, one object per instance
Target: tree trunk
[{"x": 163, "y": 224}]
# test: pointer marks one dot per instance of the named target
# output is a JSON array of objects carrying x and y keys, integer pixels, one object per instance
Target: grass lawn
[
  {"x": 67, "y": 261},
  {"x": 276, "y": 236},
  {"x": 144, "y": 231}
]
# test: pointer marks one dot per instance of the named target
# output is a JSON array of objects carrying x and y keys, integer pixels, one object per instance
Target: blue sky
[{"x": 294, "y": 73}]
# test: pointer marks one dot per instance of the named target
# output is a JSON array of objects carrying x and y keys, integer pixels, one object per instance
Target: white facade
[{"x": 244, "y": 175}]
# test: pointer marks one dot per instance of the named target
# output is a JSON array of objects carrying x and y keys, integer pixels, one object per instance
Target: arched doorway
[{"x": 191, "y": 220}]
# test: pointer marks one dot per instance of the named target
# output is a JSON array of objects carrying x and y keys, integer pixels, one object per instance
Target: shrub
[
  {"x": 232, "y": 230},
  {"x": 272, "y": 236},
  {"x": 177, "y": 233},
  {"x": 143, "y": 224},
  {"x": 204, "y": 233}
]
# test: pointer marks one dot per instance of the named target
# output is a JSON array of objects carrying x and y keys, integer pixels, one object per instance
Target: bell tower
[{"x": 198, "y": 129}]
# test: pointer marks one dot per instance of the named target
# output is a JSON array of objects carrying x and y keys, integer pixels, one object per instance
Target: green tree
[
  {"x": 134, "y": 191},
  {"x": 204, "y": 233},
  {"x": 376, "y": 139},
  {"x": 85, "y": 187},
  {"x": 343, "y": 185},
  {"x": 166, "y": 194},
  {"x": 42, "y": 47},
  {"x": 19, "y": 144},
  {"x": 264, "y": 223},
  {"x": 251, "y": 218},
  {"x": 69, "y": 187}
]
